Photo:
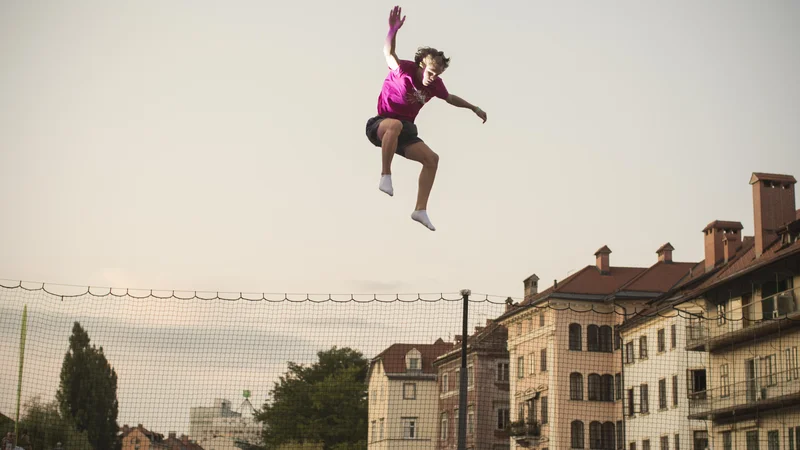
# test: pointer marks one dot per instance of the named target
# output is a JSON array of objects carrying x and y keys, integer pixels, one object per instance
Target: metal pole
[{"x": 462, "y": 395}]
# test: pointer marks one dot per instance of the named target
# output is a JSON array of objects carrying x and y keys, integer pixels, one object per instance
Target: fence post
[{"x": 462, "y": 394}]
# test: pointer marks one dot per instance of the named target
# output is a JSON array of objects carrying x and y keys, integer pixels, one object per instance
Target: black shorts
[{"x": 408, "y": 135}]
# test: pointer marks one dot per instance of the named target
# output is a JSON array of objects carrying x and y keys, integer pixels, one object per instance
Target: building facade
[
  {"x": 404, "y": 396},
  {"x": 218, "y": 427},
  {"x": 488, "y": 409}
]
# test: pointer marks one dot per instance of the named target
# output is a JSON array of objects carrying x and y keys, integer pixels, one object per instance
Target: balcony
[
  {"x": 746, "y": 323},
  {"x": 760, "y": 394},
  {"x": 526, "y": 434}
]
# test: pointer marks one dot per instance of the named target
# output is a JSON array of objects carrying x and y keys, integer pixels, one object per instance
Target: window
[
  {"x": 752, "y": 440},
  {"x": 543, "y": 362},
  {"x": 595, "y": 435},
  {"x": 519, "y": 328},
  {"x": 575, "y": 386},
  {"x": 643, "y": 347},
  {"x": 662, "y": 394},
  {"x": 644, "y": 400},
  {"x": 577, "y": 434},
  {"x": 575, "y": 337},
  {"x": 608, "y": 436},
  {"x": 793, "y": 438},
  {"x": 721, "y": 316},
  {"x": 770, "y": 370},
  {"x": 630, "y": 407},
  {"x": 541, "y": 319},
  {"x": 618, "y": 386},
  {"x": 470, "y": 375},
  {"x": 593, "y": 338},
  {"x": 445, "y": 386},
  {"x": 664, "y": 442},
  {"x": 674, "y": 390},
  {"x": 503, "y": 418},
  {"x": 727, "y": 442},
  {"x": 443, "y": 422},
  {"x": 380, "y": 429},
  {"x": 633, "y": 446},
  {"x": 544, "y": 410},
  {"x": 409, "y": 391},
  {"x": 470, "y": 420},
  {"x": 502, "y": 371},
  {"x": 662, "y": 343},
  {"x": 646, "y": 444},
  {"x": 409, "y": 427},
  {"x": 724, "y": 381},
  {"x": 617, "y": 339},
  {"x": 607, "y": 388},
  {"x": 374, "y": 430},
  {"x": 791, "y": 364},
  {"x": 605, "y": 339},
  {"x": 532, "y": 361},
  {"x": 773, "y": 440},
  {"x": 673, "y": 335},
  {"x": 677, "y": 442},
  {"x": 629, "y": 353},
  {"x": 620, "y": 436},
  {"x": 594, "y": 387},
  {"x": 521, "y": 367}
]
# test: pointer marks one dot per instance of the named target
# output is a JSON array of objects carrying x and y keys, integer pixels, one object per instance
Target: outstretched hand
[
  {"x": 395, "y": 22},
  {"x": 481, "y": 113}
]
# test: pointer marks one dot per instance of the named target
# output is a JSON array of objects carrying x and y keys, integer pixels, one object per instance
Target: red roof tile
[
  {"x": 394, "y": 357},
  {"x": 759, "y": 176},
  {"x": 660, "y": 277},
  {"x": 590, "y": 281}
]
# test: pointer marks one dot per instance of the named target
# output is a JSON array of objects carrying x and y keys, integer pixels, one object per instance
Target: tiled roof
[
  {"x": 659, "y": 278},
  {"x": 724, "y": 224},
  {"x": 771, "y": 177},
  {"x": 477, "y": 338},
  {"x": 590, "y": 281},
  {"x": 394, "y": 357}
]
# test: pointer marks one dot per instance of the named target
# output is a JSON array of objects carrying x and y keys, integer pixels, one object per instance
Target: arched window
[
  {"x": 595, "y": 436},
  {"x": 608, "y": 436},
  {"x": 594, "y": 387},
  {"x": 606, "y": 342},
  {"x": 575, "y": 336},
  {"x": 577, "y": 434},
  {"x": 593, "y": 338},
  {"x": 575, "y": 386},
  {"x": 607, "y": 389}
]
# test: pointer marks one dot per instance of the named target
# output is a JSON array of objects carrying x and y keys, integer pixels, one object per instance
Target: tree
[
  {"x": 46, "y": 427},
  {"x": 87, "y": 394},
  {"x": 325, "y": 402}
]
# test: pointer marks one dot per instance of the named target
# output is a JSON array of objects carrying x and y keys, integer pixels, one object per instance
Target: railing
[
  {"x": 756, "y": 392},
  {"x": 748, "y": 316}
]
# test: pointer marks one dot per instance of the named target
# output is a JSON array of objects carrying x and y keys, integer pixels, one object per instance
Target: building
[
  {"x": 403, "y": 397},
  {"x": 566, "y": 353},
  {"x": 656, "y": 366},
  {"x": 749, "y": 328},
  {"x": 218, "y": 427},
  {"x": 488, "y": 411},
  {"x": 140, "y": 438}
]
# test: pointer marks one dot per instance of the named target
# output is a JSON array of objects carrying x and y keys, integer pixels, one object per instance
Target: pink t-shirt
[{"x": 402, "y": 96}]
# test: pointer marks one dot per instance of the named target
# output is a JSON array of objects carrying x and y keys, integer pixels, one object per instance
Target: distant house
[
  {"x": 488, "y": 410},
  {"x": 403, "y": 397},
  {"x": 140, "y": 438}
]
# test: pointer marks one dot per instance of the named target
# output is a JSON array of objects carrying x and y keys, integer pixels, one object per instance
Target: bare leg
[
  {"x": 388, "y": 131},
  {"x": 430, "y": 162}
]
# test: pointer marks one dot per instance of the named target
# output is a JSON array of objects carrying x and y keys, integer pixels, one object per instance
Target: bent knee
[
  {"x": 391, "y": 126},
  {"x": 431, "y": 159}
]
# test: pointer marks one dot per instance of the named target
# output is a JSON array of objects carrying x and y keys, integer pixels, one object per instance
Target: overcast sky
[{"x": 209, "y": 146}]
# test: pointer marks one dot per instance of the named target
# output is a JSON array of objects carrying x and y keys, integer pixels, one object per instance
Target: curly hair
[{"x": 424, "y": 53}]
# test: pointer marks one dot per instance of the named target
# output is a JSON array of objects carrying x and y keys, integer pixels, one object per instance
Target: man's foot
[
  {"x": 386, "y": 185},
  {"x": 422, "y": 217}
]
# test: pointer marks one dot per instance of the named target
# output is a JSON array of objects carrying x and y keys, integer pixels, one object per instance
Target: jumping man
[{"x": 406, "y": 89}]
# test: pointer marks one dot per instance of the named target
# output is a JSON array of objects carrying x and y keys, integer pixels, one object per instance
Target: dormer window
[{"x": 413, "y": 360}]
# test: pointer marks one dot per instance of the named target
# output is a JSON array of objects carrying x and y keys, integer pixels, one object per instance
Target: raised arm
[{"x": 395, "y": 22}]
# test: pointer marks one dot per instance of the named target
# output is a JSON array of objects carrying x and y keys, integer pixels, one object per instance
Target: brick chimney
[
  {"x": 602, "y": 258},
  {"x": 715, "y": 233},
  {"x": 773, "y": 206},
  {"x": 731, "y": 244},
  {"x": 531, "y": 285},
  {"x": 665, "y": 253}
]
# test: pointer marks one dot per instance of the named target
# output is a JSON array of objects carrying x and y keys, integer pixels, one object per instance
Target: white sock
[
  {"x": 422, "y": 217},
  {"x": 386, "y": 185}
]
